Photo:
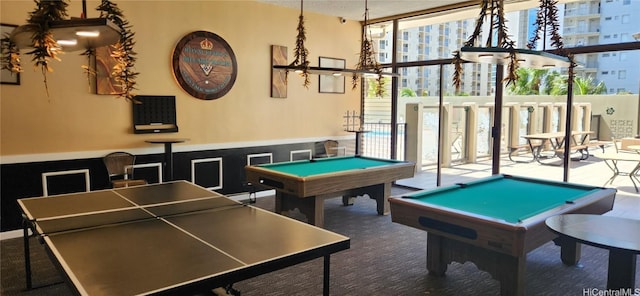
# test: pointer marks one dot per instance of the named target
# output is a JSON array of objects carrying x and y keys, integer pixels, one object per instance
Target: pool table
[
  {"x": 495, "y": 221},
  {"x": 305, "y": 184}
]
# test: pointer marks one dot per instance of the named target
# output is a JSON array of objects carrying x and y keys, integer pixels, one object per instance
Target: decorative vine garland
[
  {"x": 547, "y": 15},
  {"x": 301, "y": 52},
  {"x": 367, "y": 60},
  {"x": 10, "y": 57},
  {"x": 45, "y": 47},
  {"x": 495, "y": 10}
]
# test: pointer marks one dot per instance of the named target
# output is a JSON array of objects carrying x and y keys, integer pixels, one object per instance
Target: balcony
[{"x": 577, "y": 32}]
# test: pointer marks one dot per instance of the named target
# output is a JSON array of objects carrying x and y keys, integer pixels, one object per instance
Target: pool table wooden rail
[{"x": 328, "y": 183}]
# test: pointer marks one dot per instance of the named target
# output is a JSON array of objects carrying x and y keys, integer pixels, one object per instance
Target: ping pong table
[{"x": 168, "y": 238}]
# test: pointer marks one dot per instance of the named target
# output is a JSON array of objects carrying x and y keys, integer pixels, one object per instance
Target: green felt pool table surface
[
  {"x": 504, "y": 197},
  {"x": 305, "y": 168}
]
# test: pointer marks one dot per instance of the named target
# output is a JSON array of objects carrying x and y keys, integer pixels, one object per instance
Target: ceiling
[{"x": 354, "y": 9}]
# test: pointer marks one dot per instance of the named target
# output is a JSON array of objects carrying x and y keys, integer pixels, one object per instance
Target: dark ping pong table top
[
  {"x": 220, "y": 243},
  {"x": 120, "y": 198}
]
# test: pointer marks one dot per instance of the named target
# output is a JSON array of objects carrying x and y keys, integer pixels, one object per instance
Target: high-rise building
[
  {"x": 596, "y": 22},
  {"x": 582, "y": 23}
]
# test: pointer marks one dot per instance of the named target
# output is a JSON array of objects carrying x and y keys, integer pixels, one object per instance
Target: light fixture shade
[
  {"x": 74, "y": 29},
  {"x": 526, "y": 57}
]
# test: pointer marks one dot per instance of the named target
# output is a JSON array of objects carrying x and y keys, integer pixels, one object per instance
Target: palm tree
[
  {"x": 541, "y": 82},
  {"x": 529, "y": 82},
  {"x": 553, "y": 82},
  {"x": 407, "y": 92},
  {"x": 581, "y": 86},
  {"x": 587, "y": 86}
]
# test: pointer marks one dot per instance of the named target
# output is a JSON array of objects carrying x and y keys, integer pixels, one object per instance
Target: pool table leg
[
  {"x": 383, "y": 201},
  {"x": 508, "y": 270},
  {"x": 436, "y": 265},
  {"x": 379, "y": 192},
  {"x": 312, "y": 207}
]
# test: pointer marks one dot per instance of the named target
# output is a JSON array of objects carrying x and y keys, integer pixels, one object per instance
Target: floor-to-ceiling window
[{"x": 456, "y": 125}]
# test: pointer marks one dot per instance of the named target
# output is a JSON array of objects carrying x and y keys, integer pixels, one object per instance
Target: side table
[
  {"x": 168, "y": 154},
  {"x": 618, "y": 235}
]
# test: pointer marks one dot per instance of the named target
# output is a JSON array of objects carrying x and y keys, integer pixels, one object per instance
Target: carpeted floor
[{"x": 385, "y": 258}]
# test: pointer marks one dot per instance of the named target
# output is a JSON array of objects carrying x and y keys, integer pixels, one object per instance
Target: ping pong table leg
[
  {"x": 325, "y": 284},
  {"x": 27, "y": 254}
]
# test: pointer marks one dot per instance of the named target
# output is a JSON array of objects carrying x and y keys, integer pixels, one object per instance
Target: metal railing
[{"x": 376, "y": 142}]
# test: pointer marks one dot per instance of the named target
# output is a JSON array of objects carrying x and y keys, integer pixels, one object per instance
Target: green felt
[
  {"x": 512, "y": 200},
  {"x": 307, "y": 168}
]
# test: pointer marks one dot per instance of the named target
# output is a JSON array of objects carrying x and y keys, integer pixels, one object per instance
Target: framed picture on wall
[
  {"x": 332, "y": 83},
  {"x": 105, "y": 83},
  {"x": 8, "y": 77}
]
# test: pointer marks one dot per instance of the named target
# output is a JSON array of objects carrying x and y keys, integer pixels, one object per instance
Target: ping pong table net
[{"x": 134, "y": 213}]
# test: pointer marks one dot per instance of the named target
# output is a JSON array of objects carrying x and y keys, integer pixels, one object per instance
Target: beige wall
[{"x": 73, "y": 120}]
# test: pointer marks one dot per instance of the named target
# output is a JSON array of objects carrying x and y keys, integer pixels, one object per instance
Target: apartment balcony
[
  {"x": 580, "y": 32},
  {"x": 574, "y": 11},
  {"x": 577, "y": 16},
  {"x": 584, "y": 72}
]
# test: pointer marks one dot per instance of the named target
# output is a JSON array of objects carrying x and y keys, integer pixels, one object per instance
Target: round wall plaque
[{"x": 204, "y": 65}]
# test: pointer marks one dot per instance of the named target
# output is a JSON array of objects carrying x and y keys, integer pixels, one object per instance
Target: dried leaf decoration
[
  {"x": 457, "y": 70},
  {"x": 10, "y": 56},
  {"x": 546, "y": 20},
  {"x": 548, "y": 15},
  {"x": 367, "y": 60},
  {"x": 495, "y": 10},
  {"x": 123, "y": 72},
  {"x": 457, "y": 60},
  {"x": 301, "y": 53},
  {"x": 45, "y": 47}
]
